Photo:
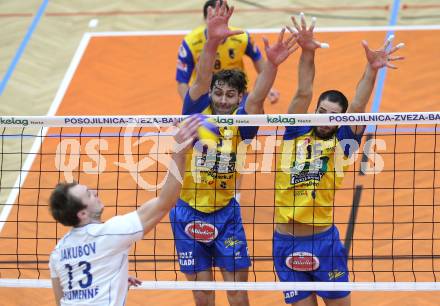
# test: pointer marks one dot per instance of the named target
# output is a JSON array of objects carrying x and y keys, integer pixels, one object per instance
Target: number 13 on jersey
[{"x": 85, "y": 271}]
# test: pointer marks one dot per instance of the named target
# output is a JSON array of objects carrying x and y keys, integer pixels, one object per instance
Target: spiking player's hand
[
  {"x": 217, "y": 22},
  {"x": 382, "y": 57},
  {"x": 280, "y": 51},
  {"x": 305, "y": 36}
]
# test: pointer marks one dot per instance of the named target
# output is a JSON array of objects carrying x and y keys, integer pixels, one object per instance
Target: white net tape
[{"x": 225, "y": 120}]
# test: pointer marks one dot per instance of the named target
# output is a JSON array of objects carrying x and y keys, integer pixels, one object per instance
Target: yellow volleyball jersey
[
  {"x": 306, "y": 180},
  {"x": 210, "y": 175},
  {"x": 229, "y": 54}
]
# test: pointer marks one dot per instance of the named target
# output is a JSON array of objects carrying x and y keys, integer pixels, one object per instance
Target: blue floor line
[
  {"x": 23, "y": 45},
  {"x": 383, "y": 72}
]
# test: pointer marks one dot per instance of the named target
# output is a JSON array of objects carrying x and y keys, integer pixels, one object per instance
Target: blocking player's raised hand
[
  {"x": 305, "y": 35},
  {"x": 306, "y": 67},
  {"x": 217, "y": 32},
  {"x": 381, "y": 58},
  {"x": 376, "y": 59},
  {"x": 280, "y": 51},
  {"x": 217, "y": 22},
  {"x": 276, "y": 54}
]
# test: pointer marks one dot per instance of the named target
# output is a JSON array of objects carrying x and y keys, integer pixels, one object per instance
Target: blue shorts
[
  {"x": 204, "y": 240},
  {"x": 320, "y": 257}
]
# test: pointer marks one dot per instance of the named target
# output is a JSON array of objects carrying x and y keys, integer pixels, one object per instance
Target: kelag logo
[
  {"x": 228, "y": 121},
  {"x": 280, "y": 119},
  {"x": 12, "y": 120}
]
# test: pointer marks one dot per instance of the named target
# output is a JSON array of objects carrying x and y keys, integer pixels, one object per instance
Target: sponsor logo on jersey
[
  {"x": 182, "y": 66},
  {"x": 253, "y": 45},
  {"x": 197, "y": 42},
  {"x": 311, "y": 170},
  {"x": 232, "y": 241},
  {"x": 182, "y": 51},
  {"x": 201, "y": 231},
  {"x": 228, "y": 134},
  {"x": 302, "y": 261},
  {"x": 332, "y": 275},
  {"x": 81, "y": 294},
  {"x": 255, "y": 49}
]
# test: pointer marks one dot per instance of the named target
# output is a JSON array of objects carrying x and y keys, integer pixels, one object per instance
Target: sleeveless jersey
[
  {"x": 210, "y": 175},
  {"x": 306, "y": 179}
]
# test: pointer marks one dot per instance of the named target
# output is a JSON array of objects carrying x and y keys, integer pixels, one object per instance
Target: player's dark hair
[
  {"x": 63, "y": 206},
  {"x": 232, "y": 77},
  {"x": 334, "y": 96},
  {"x": 211, "y": 3}
]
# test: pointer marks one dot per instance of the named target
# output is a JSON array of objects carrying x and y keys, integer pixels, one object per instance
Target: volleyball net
[{"x": 386, "y": 210}]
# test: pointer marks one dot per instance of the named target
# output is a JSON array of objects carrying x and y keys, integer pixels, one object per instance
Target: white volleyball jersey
[{"x": 91, "y": 262}]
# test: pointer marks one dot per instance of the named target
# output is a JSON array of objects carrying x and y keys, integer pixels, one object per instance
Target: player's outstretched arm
[
  {"x": 276, "y": 54},
  {"x": 154, "y": 210},
  {"x": 306, "y": 67},
  {"x": 217, "y": 32},
  {"x": 376, "y": 59},
  {"x": 274, "y": 94},
  {"x": 182, "y": 89}
]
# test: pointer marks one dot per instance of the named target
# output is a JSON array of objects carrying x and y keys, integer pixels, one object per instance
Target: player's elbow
[
  {"x": 182, "y": 89},
  {"x": 167, "y": 201}
]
